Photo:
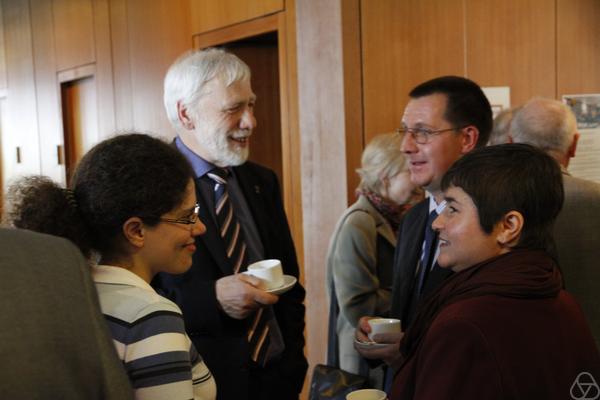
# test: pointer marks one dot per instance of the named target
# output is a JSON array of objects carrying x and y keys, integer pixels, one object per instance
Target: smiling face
[
  {"x": 221, "y": 123},
  {"x": 169, "y": 246},
  {"x": 429, "y": 162},
  {"x": 463, "y": 243}
]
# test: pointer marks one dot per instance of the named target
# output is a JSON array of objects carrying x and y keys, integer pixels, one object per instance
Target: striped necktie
[
  {"x": 264, "y": 336},
  {"x": 229, "y": 227}
]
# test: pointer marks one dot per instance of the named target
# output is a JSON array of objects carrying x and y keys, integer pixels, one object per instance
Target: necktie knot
[
  {"x": 432, "y": 216},
  {"x": 219, "y": 175},
  {"x": 429, "y": 250}
]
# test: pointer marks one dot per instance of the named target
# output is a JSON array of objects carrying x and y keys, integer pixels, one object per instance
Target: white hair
[
  {"x": 382, "y": 158},
  {"x": 546, "y": 124},
  {"x": 501, "y": 129},
  {"x": 187, "y": 76}
]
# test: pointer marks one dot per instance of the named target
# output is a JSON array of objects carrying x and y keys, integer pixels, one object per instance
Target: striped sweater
[{"x": 149, "y": 335}]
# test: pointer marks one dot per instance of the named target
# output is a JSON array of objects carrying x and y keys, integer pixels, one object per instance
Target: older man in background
[
  {"x": 551, "y": 126},
  {"x": 252, "y": 340}
]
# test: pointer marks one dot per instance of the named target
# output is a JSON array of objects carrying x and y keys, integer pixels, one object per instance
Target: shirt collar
[
  {"x": 119, "y": 276},
  {"x": 435, "y": 206},
  {"x": 199, "y": 165}
]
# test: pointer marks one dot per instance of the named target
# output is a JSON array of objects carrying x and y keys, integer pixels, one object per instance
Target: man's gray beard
[{"x": 218, "y": 146}]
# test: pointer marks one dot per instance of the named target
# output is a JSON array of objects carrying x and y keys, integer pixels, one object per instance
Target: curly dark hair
[{"x": 128, "y": 175}]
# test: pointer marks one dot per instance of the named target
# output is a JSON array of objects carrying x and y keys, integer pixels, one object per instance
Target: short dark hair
[
  {"x": 467, "y": 104},
  {"x": 122, "y": 177},
  {"x": 508, "y": 177}
]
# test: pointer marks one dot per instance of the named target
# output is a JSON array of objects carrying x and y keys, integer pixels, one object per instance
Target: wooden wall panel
[
  {"x": 208, "y": 15},
  {"x": 578, "y": 47},
  {"x": 290, "y": 130},
  {"x": 21, "y": 116},
  {"x": 104, "y": 69},
  {"x": 80, "y": 119},
  {"x": 4, "y": 162},
  {"x": 353, "y": 100},
  {"x": 255, "y": 27},
  {"x": 142, "y": 54},
  {"x": 47, "y": 90},
  {"x": 121, "y": 64},
  {"x": 512, "y": 43},
  {"x": 2, "y": 54},
  {"x": 405, "y": 43},
  {"x": 74, "y": 33},
  {"x": 323, "y": 162}
]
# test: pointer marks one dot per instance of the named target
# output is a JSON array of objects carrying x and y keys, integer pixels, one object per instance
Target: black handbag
[{"x": 331, "y": 383}]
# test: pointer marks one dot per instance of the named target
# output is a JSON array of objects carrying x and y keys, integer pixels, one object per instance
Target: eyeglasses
[
  {"x": 186, "y": 221},
  {"x": 423, "y": 135}
]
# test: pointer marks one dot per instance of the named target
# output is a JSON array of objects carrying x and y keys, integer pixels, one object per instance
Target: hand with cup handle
[
  {"x": 239, "y": 296},
  {"x": 389, "y": 354},
  {"x": 363, "y": 329}
]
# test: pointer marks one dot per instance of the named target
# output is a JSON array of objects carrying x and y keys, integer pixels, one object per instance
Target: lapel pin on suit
[{"x": 257, "y": 189}]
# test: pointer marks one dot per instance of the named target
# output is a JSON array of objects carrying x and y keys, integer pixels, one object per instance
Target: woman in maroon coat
[{"x": 501, "y": 327}]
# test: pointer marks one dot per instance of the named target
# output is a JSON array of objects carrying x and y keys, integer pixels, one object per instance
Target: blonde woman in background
[{"x": 361, "y": 251}]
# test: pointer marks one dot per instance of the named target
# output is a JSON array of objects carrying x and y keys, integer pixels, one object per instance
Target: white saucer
[
  {"x": 288, "y": 283},
  {"x": 369, "y": 345}
]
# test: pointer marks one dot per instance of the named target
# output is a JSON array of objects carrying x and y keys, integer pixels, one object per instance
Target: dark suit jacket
[
  {"x": 221, "y": 340},
  {"x": 54, "y": 342},
  {"x": 411, "y": 234},
  {"x": 578, "y": 242}
]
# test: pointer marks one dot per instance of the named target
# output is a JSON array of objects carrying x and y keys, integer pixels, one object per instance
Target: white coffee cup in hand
[
  {"x": 366, "y": 394},
  {"x": 384, "y": 325},
  {"x": 269, "y": 272}
]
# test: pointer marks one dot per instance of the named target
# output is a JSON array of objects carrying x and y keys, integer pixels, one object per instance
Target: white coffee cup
[
  {"x": 384, "y": 325},
  {"x": 366, "y": 394},
  {"x": 269, "y": 272}
]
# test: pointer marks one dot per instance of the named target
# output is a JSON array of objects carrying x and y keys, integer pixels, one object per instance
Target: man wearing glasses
[{"x": 445, "y": 118}]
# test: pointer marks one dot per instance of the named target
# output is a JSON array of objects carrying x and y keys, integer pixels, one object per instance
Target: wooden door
[{"x": 80, "y": 121}]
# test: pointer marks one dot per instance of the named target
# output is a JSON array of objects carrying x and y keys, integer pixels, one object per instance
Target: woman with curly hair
[{"x": 132, "y": 207}]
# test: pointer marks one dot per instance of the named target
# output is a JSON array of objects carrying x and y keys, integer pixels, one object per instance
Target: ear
[
  {"x": 510, "y": 228},
  {"x": 133, "y": 230},
  {"x": 184, "y": 117},
  {"x": 573, "y": 147},
  {"x": 470, "y": 136}
]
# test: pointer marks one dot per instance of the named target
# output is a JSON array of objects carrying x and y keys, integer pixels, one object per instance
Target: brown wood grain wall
[
  {"x": 208, "y": 15},
  {"x": 74, "y": 33},
  {"x": 21, "y": 119},
  {"x": 578, "y": 47},
  {"x": 537, "y": 47},
  {"x": 49, "y": 114},
  {"x": 146, "y": 40},
  {"x": 512, "y": 43},
  {"x": 404, "y": 43}
]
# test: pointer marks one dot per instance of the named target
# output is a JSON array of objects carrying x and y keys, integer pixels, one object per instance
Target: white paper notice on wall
[
  {"x": 499, "y": 98},
  {"x": 586, "y": 107}
]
